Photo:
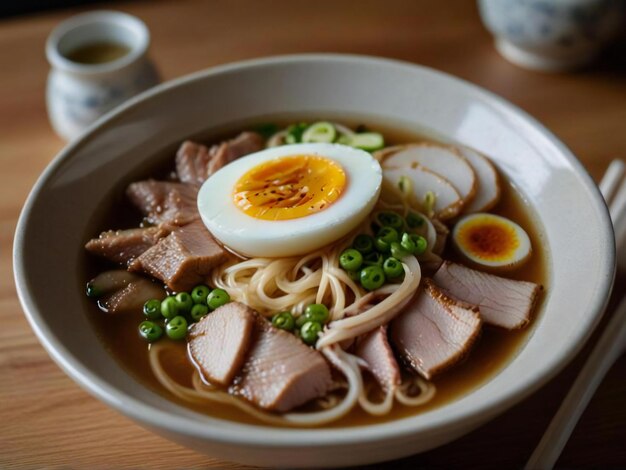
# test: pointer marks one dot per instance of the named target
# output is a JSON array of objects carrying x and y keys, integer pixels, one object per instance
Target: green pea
[
  {"x": 408, "y": 243},
  {"x": 354, "y": 275},
  {"x": 152, "y": 309},
  {"x": 363, "y": 243},
  {"x": 392, "y": 268},
  {"x": 150, "y": 331},
  {"x": 217, "y": 298},
  {"x": 382, "y": 245},
  {"x": 414, "y": 220},
  {"x": 390, "y": 219},
  {"x": 317, "y": 312},
  {"x": 184, "y": 302},
  {"x": 373, "y": 259},
  {"x": 169, "y": 307},
  {"x": 200, "y": 293},
  {"x": 309, "y": 332},
  {"x": 398, "y": 252},
  {"x": 198, "y": 311},
  {"x": 414, "y": 244},
  {"x": 284, "y": 321},
  {"x": 176, "y": 328},
  {"x": 421, "y": 244},
  {"x": 388, "y": 234},
  {"x": 351, "y": 259},
  {"x": 372, "y": 277}
]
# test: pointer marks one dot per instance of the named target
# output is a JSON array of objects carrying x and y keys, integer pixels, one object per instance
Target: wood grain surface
[{"x": 47, "y": 421}]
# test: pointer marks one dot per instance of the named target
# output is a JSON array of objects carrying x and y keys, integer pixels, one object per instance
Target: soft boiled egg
[
  {"x": 290, "y": 200},
  {"x": 491, "y": 240}
]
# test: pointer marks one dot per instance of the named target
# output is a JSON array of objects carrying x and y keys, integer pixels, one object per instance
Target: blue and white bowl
[{"x": 552, "y": 35}]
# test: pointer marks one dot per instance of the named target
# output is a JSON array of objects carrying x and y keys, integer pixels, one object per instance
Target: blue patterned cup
[
  {"x": 552, "y": 35},
  {"x": 78, "y": 93}
]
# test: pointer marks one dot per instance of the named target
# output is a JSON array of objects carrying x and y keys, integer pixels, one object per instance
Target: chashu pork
[
  {"x": 281, "y": 372},
  {"x": 196, "y": 162},
  {"x": 165, "y": 202},
  {"x": 503, "y": 302},
  {"x": 375, "y": 350},
  {"x": 218, "y": 343},
  {"x": 123, "y": 246},
  {"x": 182, "y": 259},
  {"x": 435, "y": 331}
]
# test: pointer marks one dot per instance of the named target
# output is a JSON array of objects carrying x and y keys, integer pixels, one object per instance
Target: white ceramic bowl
[{"x": 58, "y": 215}]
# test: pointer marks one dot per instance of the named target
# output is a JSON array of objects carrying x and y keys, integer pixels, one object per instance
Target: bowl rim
[{"x": 248, "y": 434}]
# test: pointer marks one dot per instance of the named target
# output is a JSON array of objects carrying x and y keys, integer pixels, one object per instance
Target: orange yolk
[
  {"x": 489, "y": 239},
  {"x": 289, "y": 187}
]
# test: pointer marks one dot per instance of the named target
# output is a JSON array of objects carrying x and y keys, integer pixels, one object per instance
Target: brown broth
[{"x": 494, "y": 350}]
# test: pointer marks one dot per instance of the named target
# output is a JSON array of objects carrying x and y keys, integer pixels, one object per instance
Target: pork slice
[
  {"x": 374, "y": 349},
  {"x": 192, "y": 161},
  {"x": 182, "y": 259},
  {"x": 130, "y": 298},
  {"x": 281, "y": 372},
  {"x": 219, "y": 342},
  {"x": 435, "y": 331},
  {"x": 244, "y": 144},
  {"x": 503, "y": 302},
  {"x": 123, "y": 246},
  {"x": 196, "y": 162},
  {"x": 165, "y": 201}
]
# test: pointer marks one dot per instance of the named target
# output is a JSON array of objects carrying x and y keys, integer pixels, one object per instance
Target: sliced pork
[
  {"x": 435, "y": 331},
  {"x": 374, "y": 349},
  {"x": 182, "y": 259},
  {"x": 244, "y": 144},
  {"x": 123, "y": 246},
  {"x": 219, "y": 342},
  {"x": 130, "y": 298},
  {"x": 281, "y": 372},
  {"x": 503, "y": 302},
  {"x": 196, "y": 162},
  {"x": 443, "y": 160},
  {"x": 489, "y": 189},
  {"x": 165, "y": 201},
  {"x": 192, "y": 161},
  {"x": 448, "y": 202}
]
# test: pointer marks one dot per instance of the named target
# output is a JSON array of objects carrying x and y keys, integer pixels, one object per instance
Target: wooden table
[{"x": 48, "y": 421}]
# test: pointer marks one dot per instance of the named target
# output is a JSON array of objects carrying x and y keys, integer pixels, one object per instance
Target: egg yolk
[
  {"x": 489, "y": 239},
  {"x": 289, "y": 187}
]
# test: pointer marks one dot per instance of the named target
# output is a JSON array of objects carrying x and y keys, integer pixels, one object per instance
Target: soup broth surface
[{"x": 494, "y": 349}]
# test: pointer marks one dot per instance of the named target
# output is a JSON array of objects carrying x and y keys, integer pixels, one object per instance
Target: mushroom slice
[
  {"x": 488, "y": 192},
  {"x": 448, "y": 201},
  {"x": 444, "y": 160}
]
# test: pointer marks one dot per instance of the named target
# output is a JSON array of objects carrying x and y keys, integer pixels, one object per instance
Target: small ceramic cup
[
  {"x": 79, "y": 93},
  {"x": 552, "y": 35}
]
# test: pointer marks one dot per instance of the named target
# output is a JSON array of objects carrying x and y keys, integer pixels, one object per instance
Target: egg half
[
  {"x": 290, "y": 200},
  {"x": 491, "y": 240}
]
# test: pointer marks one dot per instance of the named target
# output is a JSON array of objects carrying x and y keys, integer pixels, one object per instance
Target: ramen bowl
[{"x": 60, "y": 212}]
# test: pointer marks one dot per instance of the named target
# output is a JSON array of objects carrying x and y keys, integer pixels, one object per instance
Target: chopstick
[
  {"x": 609, "y": 347},
  {"x": 607, "y": 350}
]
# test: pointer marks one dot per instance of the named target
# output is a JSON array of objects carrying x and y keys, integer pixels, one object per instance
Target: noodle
[{"x": 201, "y": 392}]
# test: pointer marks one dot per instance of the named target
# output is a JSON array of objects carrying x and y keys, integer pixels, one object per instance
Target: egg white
[{"x": 250, "y": 236}]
